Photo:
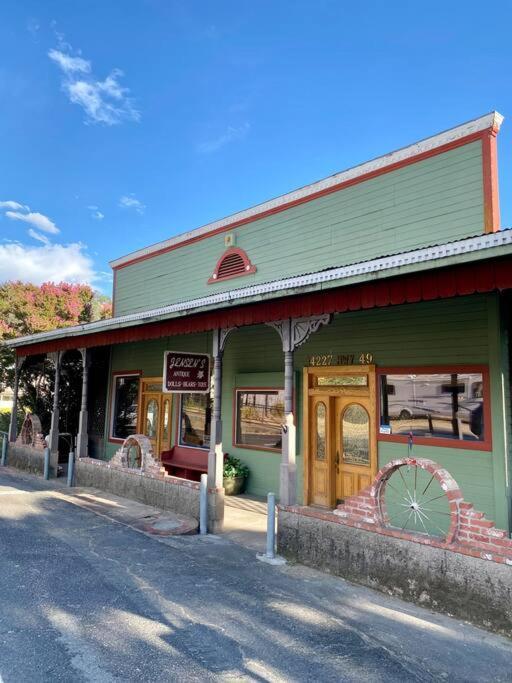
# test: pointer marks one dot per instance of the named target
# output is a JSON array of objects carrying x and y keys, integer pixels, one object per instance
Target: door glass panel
[
  {"x": 165, "y": 426},
  {"x": 342, "y": 381},
  {"x": 320, "y": 431},
  {"x": 355, "y": 434},
  {"x": 152, "y": 418}
]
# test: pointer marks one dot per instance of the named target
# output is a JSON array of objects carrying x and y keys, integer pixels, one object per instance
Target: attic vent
[{"x": 234, "y": 262}]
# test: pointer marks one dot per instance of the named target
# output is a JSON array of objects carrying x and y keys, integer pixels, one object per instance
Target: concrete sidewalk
[
  {"x": 90, "y": 598},
  {"x": 245, "y": 520},
  {"x": 136, "y": 515}
]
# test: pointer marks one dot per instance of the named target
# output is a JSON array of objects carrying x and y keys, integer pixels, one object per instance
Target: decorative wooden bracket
[{"x": 296, "y": 331}]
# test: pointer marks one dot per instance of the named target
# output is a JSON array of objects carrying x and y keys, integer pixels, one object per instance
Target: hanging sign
[{"x": 186, "y": 373}]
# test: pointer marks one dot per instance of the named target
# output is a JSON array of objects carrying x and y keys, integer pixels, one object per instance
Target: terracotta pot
[{"x": 233, "y": 486}]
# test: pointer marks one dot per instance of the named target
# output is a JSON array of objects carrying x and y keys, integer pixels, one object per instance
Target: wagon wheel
[{"x": 411, "y": 499}]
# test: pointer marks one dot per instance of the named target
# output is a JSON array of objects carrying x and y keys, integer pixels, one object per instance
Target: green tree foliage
[{"x": 28, "y": 309}]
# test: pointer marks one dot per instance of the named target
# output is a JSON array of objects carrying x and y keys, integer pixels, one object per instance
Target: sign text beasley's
[{"x": 186, "y": 372}]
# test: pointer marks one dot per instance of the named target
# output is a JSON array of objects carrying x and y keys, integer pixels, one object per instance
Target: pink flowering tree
[{"x": 27, "y": 309}]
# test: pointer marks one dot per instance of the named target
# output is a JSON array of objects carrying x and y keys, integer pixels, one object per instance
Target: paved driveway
[{"x": 84, "y": 598}]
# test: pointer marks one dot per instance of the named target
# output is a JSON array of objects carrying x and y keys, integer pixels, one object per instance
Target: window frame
[
  {"x": 249, "y": 390},
  {"x": 114, "y": 376},
  {"x": 178, "y": 420},
  {"x": 484, "y": 445}
]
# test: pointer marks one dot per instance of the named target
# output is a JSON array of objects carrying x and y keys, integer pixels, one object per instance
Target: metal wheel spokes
[{"x": 415, "y": 506}]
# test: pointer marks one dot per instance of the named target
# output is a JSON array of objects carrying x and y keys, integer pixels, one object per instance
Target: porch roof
[{"x": 476, "y": 264}]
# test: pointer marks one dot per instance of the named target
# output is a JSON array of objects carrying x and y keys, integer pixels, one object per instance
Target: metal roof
[{"x": 477, "y": 248}]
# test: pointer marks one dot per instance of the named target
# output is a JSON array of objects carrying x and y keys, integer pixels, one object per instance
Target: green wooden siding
[
  {"x": 455, "y": 331},
  {"x": 428, "y": 202}
]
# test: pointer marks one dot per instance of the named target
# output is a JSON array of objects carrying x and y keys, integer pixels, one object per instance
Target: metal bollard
[
  {"x": 4, "y": 450},
  {"x": 46, "y": 473},
  {"x": 271, "y": 526},
  {"x": 71, "y": 468},
  {"x": 203, "y": 505}
]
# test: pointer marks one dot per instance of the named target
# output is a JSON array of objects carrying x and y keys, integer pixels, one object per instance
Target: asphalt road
[{"x": 86, "y": 599}]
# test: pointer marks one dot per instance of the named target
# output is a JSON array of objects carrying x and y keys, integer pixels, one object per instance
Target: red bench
[{"x": 186, "y": 463}]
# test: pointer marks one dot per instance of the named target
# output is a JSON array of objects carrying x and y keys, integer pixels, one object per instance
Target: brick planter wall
[
  {"x": 156, "y": 489},
  {"x": 468, "y": 573},
  {"x": 25, "y": 458},
  {"x": 467, "y": 587}
]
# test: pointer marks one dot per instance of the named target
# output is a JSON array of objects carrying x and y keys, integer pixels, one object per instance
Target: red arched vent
[{"x": 234, "y": 262}]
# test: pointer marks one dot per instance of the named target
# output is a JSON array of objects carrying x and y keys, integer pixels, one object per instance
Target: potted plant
[{"x": 235, "y": 476}]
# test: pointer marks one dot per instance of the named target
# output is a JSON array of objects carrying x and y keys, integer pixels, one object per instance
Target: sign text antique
[{"x": 186, "y": 372}]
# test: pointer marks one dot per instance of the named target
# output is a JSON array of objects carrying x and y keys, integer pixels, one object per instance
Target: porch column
[
  {"x": 216, "y": 454},
  {"x": 53, "y": 438},
  {"x": 83, "y": 436},
  {"x": 13, "y": 426},
  {"x": 293, "y": 333}
]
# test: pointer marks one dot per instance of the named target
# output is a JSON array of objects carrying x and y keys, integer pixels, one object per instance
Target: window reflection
[
  {"x": 126, "y": 395},
  {"x": 259, "y": 418},
  {"x": 166, "y": 418},
  {"x": 152, "y": 419},
  {"x": 443, "y": 405},
  {"x": 355, "y": 432},
  {"x": 195, "y": 420},
  {"x": 320, "y": 431}
]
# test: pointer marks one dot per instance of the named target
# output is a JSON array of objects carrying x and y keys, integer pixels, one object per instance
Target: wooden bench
[{"x": 186, "y": 463}]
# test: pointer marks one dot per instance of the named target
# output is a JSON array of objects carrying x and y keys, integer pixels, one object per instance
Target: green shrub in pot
[{"x": 235, "y": 475}]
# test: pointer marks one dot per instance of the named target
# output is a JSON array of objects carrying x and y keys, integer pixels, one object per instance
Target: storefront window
[
  {"x": 259, "y": 418},
  {"x": 195, "y": 420},
  {"x": 443, "y": 405},
  {"x": 125, "y": 402}
]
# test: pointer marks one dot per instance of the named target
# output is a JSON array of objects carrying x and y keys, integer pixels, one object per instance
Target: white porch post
[
  {"x": 293, "y": 333},
  {"x": 53, "y": 438},
  {"x": 13, "y": 426},
  {"x": 83, "y": 436},
  {"x": 216, "y": 454}
]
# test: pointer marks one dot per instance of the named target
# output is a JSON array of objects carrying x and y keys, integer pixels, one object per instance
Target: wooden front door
[
  {"x": 155, "y": 415},
  {"x": 340, "y": 437},
  {"x": 355, "y": 453}
]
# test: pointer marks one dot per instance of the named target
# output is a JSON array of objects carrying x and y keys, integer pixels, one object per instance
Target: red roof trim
[
  {"x": 321, "y": 193},
  {"x": 443, "y": 283}
]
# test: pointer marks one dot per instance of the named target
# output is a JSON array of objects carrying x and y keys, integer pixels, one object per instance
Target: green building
[{"x": 346, "y": 323}]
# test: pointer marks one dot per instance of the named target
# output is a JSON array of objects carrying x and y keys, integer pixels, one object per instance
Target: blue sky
[{"x": 129, "y": 121}]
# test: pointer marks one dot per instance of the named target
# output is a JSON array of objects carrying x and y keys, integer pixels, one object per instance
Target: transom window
[
  {"x": 125, "y": 400},
  {"x": 259, "y": 418}
]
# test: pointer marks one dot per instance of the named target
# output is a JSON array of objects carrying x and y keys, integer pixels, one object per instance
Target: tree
[{"x": 27, "y": 309}]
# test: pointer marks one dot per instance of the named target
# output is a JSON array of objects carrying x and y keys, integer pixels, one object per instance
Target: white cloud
[
  {"x": 36, "y": 219},
  {"x": 38, "y": 236},
  {"x": 96, "y": 213},
  {"x": 103, "y": 101},
  {"x": 51, "y": 262},
  {"x": 131, "y": 202},
  {"x": 70, "y": 64},
  {"x": 15, "y": 206},
  {"x": 230, "y": 135}
]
